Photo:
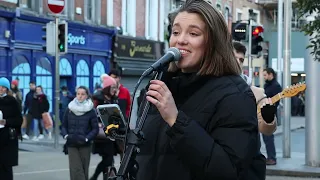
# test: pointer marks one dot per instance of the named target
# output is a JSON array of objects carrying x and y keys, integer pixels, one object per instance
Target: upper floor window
[
  {"x": 31, "y": 5},
  {"x": 227, "y": 14},
  {"x": 219, "y": 7},
  {"x": 92, "y": 11}
]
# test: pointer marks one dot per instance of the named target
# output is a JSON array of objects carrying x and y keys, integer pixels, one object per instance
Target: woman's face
[
  {"x": 81, "y": 95},
  {"x": 188, "y": 35},
  {"x": 3, "y": 90},
  {"x": 113, "y": 90},
  {"x": 13, "y": 86},
  {"x": 38, "y": 90}
]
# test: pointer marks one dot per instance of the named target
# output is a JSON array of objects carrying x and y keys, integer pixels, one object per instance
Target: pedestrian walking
[{"x": 79, "y": 128}]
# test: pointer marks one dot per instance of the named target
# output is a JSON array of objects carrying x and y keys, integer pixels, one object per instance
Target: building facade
[
  {"x": 298, "y": 39},
  {"x": 241, "y": 13},
  {"x": 92, "y": 33}
]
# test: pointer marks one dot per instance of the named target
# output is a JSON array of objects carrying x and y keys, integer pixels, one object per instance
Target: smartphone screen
[{"x": 111, "y": 114}]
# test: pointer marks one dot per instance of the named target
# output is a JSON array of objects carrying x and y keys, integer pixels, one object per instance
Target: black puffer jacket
[
  {"x": 215, "y": 135},
  {"x": 78, "y": 128}
]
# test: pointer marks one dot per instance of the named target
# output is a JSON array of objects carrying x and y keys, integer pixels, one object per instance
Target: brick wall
[
  {"x": 103, "y": 11},
  {"x": 117, "y": 7},
  {"x": 140, "y": 17},
  {"x": 79, "y": 3},
  {"x": 7, "y": 4}
]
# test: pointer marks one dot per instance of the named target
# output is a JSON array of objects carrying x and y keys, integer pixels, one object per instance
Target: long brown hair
[{"x": 218, "y": 57}]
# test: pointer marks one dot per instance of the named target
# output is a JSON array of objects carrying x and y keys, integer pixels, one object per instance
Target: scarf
[
  {"x": 80, "y": 108},
  {"x": 3, "y": 95}
]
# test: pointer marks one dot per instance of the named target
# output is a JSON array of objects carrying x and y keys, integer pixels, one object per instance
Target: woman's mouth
[{"x": 184, "y": 52}]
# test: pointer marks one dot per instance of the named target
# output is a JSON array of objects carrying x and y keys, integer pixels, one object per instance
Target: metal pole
[
  {"x": 312, "y": 137},
  {"x": 57, "y": 90},
  {"x": 249, "y": 49},
  {"x": 287, "y": 79},
  {"x": 280, "y": 33}
]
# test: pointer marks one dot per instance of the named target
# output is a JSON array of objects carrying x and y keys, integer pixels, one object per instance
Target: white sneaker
[
  {"x": 35, "y": 138},
  {"x": 50, "y": 135},
  {"x": 41, "y": 136},
  {"x": 25, "y": 136}
]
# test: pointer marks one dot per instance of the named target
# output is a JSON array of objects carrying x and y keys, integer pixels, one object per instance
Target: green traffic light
[{"x": 61, "y": 47}]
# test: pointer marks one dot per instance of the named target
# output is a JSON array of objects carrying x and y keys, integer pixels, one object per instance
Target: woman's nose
[{"x": 182, "y": 39}]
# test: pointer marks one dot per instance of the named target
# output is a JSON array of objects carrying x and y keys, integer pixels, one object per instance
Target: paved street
[
  {"x": 288, "y": 178},
  {"x": 53, "y": 165},
  {"x": 297, "y": 141}
]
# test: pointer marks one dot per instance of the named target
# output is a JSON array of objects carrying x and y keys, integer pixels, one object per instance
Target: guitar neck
[{"x": 276, "y": 98}]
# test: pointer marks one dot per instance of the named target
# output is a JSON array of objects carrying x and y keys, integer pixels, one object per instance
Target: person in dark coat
[
  {"x": 27, "y": 109},
  {"x": 80, "y": 127},
  {"x": 39, "y": 105},
  {"x": 271, "y": 87},
  {"x": 10, "y": 123},
  {"x": 197, "y": 127},
  {"x": 105, "y": 147}
]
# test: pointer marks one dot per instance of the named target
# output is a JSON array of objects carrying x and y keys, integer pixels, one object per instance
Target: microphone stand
[{"x": 129, "y": 166}]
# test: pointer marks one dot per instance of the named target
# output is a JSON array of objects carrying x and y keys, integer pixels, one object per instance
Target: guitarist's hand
[{"x": 268, "y": 110}]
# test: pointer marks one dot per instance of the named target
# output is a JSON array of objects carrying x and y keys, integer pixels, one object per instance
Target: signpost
[{"x": 56, "y": 7}]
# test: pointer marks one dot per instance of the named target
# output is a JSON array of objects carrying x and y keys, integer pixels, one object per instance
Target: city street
[
  {"x": 297, "y": 141},
  {"x": 50, "y": 164}
]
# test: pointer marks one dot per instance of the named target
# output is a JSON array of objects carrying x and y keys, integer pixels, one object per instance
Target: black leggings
[{"x": 106, "y": 162}]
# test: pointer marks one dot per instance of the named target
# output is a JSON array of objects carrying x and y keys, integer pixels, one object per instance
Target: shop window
[
  {"x": 44, "y": 78},
  {"x": 82, "y": 73},
  {"x": 65, "y": 67},
  {"x": 98, "y": 69},
  {"x": 21, "y": 70}
]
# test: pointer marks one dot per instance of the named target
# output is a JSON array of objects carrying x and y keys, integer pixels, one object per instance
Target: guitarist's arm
[{"x": 265, "y": 126}]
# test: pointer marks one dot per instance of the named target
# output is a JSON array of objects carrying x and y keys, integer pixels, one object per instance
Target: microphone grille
[{"x": 176, "y": 53}]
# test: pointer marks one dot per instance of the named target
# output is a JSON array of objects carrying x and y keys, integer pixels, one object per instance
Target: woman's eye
[
  {"x": 175, "y": 32},
  {"x": 193, "y": 34}
]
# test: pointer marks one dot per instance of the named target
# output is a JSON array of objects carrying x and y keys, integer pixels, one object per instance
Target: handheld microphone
[{"x": 172, "y": 54}]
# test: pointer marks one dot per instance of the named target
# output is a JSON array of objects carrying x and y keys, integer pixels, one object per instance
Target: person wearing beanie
[
  {"x": 4, "y": 82},
  {"x": 104, "y": 146},
  {"x": 10, "y": 123},
  {"x": 16, "y": 93}
]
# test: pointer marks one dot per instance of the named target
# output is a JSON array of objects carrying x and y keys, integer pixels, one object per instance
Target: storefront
[
  {"x": 21, "y": 54},
  {"x": 133, "y": 56}
]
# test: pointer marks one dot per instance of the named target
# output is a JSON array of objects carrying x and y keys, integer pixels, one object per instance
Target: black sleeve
[
  {"x": 15, "y": 121},
  {"x": 46, "y": 105},
  {"x": 225, "y": 152},
  {"x": 64, "y": 127},
  {"x": 94, "y": 126}
]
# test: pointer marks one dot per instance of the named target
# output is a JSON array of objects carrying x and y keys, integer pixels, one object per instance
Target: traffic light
[
  {"x": 63, "y": 37},
  {"x": 256, "y": 39},
  {"x": 239, "y": 31},
  {"x": 49, "y": 38}
]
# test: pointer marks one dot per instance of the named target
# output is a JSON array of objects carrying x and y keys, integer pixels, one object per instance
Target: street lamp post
[{"x": 312, "y": 113}]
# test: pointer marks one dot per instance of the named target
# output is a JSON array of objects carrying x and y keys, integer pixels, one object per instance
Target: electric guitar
[{"x": 287, "y": 92}]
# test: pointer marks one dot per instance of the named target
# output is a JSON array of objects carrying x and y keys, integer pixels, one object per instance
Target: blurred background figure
[
  {"x": 10, "y": 124},
  {"x": 39, "y": 105}
]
